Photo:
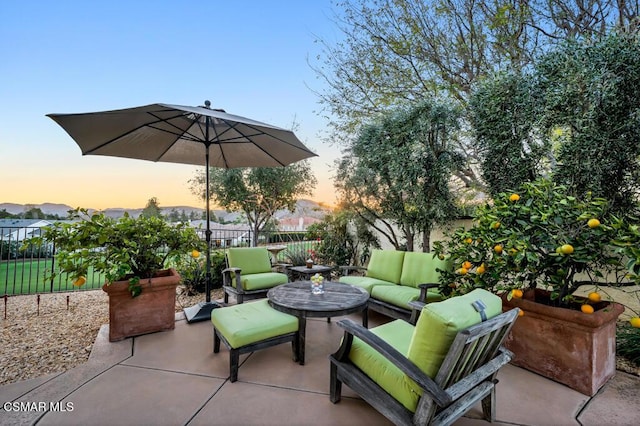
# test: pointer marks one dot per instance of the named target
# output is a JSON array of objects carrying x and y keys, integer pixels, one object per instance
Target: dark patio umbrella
[{"x": 189, "y": 135}]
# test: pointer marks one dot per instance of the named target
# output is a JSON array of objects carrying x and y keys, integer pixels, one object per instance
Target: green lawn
[{"x": 27, "y": 277}]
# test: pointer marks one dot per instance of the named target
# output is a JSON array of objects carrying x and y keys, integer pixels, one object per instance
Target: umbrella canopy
[
  {"x": 188, "y": 135},
  {"x": 181, "y": 134}
]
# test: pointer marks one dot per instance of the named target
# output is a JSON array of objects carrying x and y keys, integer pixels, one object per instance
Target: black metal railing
[{"x": 23, "y": 267}]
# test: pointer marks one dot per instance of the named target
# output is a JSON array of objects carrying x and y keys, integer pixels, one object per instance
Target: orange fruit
[
  {"x": 468, "y": 240},
  {"x": 521, "y": 313},
  {"x": 195, "y": 254},
  {"x": 587, "y": 309},
  {"x": 481, "y": 269},
  {"x": 594, "y": 296},
  {"x": 635, "y": 322},
  {"x": 593, "y": 223},
  {"x": 462, "y": 271},
  {"x": 516, "y": 293},
  {"x": 498, "y": 248},
  {"x": 514, "y": 197},
  {"x": 495, "y": 225},
  {"x": 467, "y": 265},
  {"x": 566, "y": 249},
  {"x": 79, "y": 282}
]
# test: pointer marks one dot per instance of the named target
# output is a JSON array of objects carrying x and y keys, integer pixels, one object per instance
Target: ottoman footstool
[{"x": 250, "y": 327}]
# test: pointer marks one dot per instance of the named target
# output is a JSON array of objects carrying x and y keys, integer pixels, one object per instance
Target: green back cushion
[
  {"x": 252, "y": 322},
  {"x": 385, "y": 373},
  {"x": 252, "y": 260},
  {"x": 440, "y": 322},
  {"x": 386, "y": 265},
  {"x": 421, "y": 268}
]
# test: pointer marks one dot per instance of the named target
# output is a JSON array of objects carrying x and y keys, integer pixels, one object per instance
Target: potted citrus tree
[
  {"x": 135, "y": 254},
  {"x": 535, "y": 247}
]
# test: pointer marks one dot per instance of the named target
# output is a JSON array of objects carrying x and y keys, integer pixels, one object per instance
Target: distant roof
[{"x": 23, "y": 223}]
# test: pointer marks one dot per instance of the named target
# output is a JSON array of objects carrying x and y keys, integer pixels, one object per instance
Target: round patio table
[{"x": 338, "y": 299}]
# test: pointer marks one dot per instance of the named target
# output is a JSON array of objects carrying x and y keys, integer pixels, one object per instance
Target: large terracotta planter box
[
  {"x": 153, "y": 310},
  {"x": 565, "y": 345}
]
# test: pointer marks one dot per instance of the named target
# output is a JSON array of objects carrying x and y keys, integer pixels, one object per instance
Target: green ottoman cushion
[
  {"x": 440, "y": 322},
  {"x": 250, "y": 260},
  {"x": 385, "y": 265},
  {"x": 400, "y": 296},
  {"x": 263, "y": 280},
  {"x": 252, "y": 322},
  {"x": 421, "y": 268},
  {"x": 386, "y": 374},
  {"x": 366, "y": 283}
]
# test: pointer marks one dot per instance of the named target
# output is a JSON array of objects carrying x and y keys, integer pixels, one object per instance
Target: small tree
[
  {"x": 257, "y": 192},
  {"x": 539, "y": 236},
  {"x": 152, "y": 209},
  {"x": 397, "y": 172}
]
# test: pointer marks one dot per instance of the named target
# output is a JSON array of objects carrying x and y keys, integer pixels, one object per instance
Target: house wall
[{"x": 437, "y": 233}]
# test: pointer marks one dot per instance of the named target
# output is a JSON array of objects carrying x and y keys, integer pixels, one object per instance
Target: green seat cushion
[
  {"x": 366, "y": 283},
  {"x": 385, "y": 373},
  {"x": 400, "y": 296},
  {"x": 252, "y": 322},
  {"x": 252, "y": 260},
  {"x": 421, "y": 268},
  {"x": 263, "y": 280},
  {"x": 440, "y": 322},
  {"x": 385, "y": 265}
]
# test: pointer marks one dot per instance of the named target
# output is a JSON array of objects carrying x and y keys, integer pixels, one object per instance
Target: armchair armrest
[
  {"x": 346, "y": 269},
  {"x": 424, "y": 288},
  {"x": 353, "y": 329},
  {"x": 226, "y": 278},
  {"x": 416, "y": 307}
]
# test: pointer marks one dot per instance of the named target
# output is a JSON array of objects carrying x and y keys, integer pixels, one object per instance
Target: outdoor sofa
[{"x": 394, "y": 278}]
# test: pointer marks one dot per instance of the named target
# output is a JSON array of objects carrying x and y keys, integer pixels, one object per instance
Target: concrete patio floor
[{"x": 174, "y": 378}]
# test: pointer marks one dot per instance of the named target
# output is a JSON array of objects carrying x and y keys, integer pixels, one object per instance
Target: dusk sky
[{"x": 247, "y": 57}]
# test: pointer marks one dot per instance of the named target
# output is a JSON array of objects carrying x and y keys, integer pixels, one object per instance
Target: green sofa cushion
[
  {"x": 400, "y": 296},
  {"x": 421, "y": 268},
  {"x": 252, "y": 322},
  {"x": 263, "y": 280},
  {"x": 386, "y": 374},
  {"x": 440, "y": 322},
  {"x": 386, "y": 265},
  {"x": 366, "y": 283},
  {"x": 252, "y": 260}
]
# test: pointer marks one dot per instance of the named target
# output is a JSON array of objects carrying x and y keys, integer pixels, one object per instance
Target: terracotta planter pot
[
  {"x": 565, "y": 345},
  {"x": 153, "y": 310}
]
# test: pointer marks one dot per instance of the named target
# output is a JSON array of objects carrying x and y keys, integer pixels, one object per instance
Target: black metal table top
[{"x": 338, "y": 299}]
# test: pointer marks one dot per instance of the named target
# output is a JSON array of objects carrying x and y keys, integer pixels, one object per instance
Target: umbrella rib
[
  {"x": 258, "y": 132},
  {"x": 160, "y": 120}
]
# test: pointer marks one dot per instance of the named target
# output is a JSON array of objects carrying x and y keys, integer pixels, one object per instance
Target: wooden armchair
[
  {"x": 430, "y": 373},
  {"x": 249, "y": 274}
]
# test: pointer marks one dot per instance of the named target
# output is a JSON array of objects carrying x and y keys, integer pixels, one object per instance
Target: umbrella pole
[
  {"x": 208, "y": 217},
  {"x": 202, "y": 311}
]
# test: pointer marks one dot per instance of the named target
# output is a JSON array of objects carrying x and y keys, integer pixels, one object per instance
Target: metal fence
[{"x": 23, "y": 267}]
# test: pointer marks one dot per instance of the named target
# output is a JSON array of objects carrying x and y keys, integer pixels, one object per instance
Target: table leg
[
  {"x": 365, "y": 318},
  {"x": 302, "y": 335}
]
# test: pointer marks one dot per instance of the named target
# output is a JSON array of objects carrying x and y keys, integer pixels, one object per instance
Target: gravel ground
[
  {"x": 57, "y": 335},
  {"x": 60, "y": 336}
]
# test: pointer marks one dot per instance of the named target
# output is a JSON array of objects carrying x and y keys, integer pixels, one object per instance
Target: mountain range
[{"x": 307, "y": 208}]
